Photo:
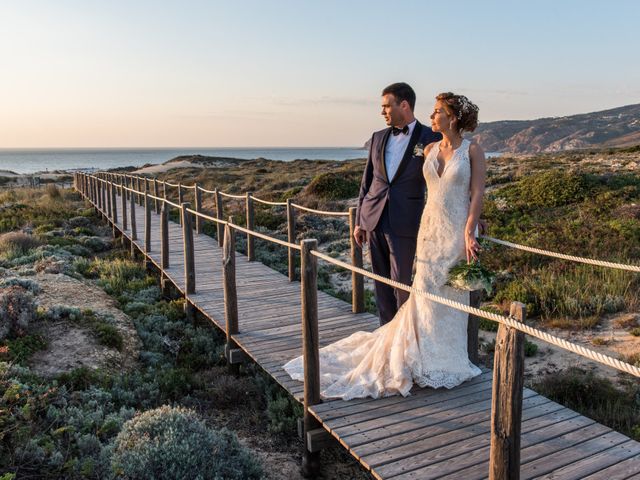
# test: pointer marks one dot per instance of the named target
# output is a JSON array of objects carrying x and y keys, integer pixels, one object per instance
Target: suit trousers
[{"x": 392, "y": 256}]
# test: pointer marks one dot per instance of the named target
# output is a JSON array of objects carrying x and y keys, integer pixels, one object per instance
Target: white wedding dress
[{"x": 426, "y": 342}]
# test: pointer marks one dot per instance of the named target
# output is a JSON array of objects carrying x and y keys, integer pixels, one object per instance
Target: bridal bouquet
[{"x": 471, "y": 276}]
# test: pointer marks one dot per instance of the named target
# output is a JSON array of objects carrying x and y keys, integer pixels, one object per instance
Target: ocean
[{"x": 41, "y": 160}]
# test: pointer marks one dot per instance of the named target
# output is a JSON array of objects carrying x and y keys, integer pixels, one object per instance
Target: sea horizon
[{"x": 36, "y": 160}]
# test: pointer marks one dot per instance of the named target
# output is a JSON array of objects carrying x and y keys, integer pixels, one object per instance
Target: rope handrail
[
  {"x": 534, "y": 332},
  {"x": 206, "y": 191},
  {"x": 573, "y": 258},
  {"x": 207, "y": 217},
  {"x": 320, "y": 212},
  {"x": 229, "y": 195},
  {"x": 266, "y": 202},
  {"x": 588, "y": 261},
  {"x": 173, "y": 184},
  {"x": 253, "y": 233}
]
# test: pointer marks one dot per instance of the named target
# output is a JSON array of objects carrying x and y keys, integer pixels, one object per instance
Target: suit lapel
[
  {"x": 383, "y": 166},
  {"x": 408, "y": 153}
]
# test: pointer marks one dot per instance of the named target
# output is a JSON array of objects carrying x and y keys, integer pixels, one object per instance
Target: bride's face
[{"x": 440, "y": 118}]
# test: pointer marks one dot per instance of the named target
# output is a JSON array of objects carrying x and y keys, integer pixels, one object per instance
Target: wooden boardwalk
[{"x": 430, "y": 434}]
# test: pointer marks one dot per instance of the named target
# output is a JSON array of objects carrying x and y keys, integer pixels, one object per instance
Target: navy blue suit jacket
[{"x": 404, "y": 194}]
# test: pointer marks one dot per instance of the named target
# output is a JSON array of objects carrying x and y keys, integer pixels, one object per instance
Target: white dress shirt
[{"x": 394, "y": 151}]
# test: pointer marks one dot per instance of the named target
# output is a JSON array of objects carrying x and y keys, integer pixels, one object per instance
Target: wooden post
[
  {"x": 251, "y": 254},
  {"x": 189, "y": 264},
  {"x": 123, "y": 202},
  {"x": 155, "y": 194},
  {"x": 357, "y": 281},
  {"x": 291, "y": 238},
  {"x": 473, "y": 323},
  {"x": 310, "y": 342},
  {"x": 108, "y": 199},
  {"x": 132, "y": 211},
  {"x": 114, "y": 203},
  {"x": 197, "y": 193},
  {"x": 506, "y": 402},
  {"x": 147, "y": 224},
  {"x": 180, "y": 198},
  {"x": 128, "y": 182},
  {"x": 141, "y": 191},
  {"x": 219, "y": 214},
  {"x": 230, "y": 293},
  {"x": 98, "y": 195},
  {"x": 164, "y": 248}
]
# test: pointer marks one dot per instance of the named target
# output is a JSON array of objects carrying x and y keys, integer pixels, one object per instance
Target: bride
[{"x": 426, "y": 342}]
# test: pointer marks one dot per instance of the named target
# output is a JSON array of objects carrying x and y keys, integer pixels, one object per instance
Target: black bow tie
[{"x": 397, "y": 131}]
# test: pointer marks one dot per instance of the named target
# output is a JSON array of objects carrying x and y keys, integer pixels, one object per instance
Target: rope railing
[
  {"x": 320, "y": 212},
  {"x": 229, "y": 195},
  {"x": 206, "y": 191},
  {"x": 266, "y": 202},
  {"x": 506, "y": 409},
  {"x": 534, "y": 332},
  {"x": 573, "y": 258}
]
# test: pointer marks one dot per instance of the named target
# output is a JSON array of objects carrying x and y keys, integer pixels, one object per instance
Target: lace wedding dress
[{"x": 426, "y": 342}]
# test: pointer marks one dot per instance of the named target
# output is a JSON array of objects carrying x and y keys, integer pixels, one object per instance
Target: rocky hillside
[{"x": 618, "y": 127}]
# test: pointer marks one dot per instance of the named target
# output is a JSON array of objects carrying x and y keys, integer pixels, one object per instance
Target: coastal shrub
[
  {"x": 117, "y": 274},
  {"x": 53, "y": 192},
  {"x": 595, "y": 397},
  {"x": 17, "y": 310},
  {"x": 334, "y": 186},
  {"x": 168, "y": 443},
  {"x": 17, "y": 244},
  {"x": 549, "y": 189},
  {"x": 25, "y": 283}
]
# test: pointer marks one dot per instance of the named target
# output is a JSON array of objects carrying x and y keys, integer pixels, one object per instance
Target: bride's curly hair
[{"x": 462, "y": 108}]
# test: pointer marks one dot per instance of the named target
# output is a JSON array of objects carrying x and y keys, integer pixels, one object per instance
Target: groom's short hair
[{"x": 402, "y": 91}]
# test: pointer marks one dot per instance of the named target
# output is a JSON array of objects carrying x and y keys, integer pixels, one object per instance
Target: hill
[{"x": 618, "y": 127}]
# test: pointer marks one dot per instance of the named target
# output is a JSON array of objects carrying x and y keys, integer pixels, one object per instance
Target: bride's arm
[{"x": 478, "y": 174}]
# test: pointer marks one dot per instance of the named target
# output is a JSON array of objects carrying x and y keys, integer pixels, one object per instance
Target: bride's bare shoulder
[{"x": 428, "y": 148}]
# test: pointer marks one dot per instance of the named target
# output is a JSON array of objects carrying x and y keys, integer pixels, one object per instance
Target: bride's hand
[{"x": 472, "y": 247}]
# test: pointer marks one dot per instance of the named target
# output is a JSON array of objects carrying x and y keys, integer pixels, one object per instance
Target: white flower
[{"x": 418, "y": 150}]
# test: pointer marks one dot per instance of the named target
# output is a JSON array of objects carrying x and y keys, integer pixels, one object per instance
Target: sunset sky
[{"x": 296, "y": 73}]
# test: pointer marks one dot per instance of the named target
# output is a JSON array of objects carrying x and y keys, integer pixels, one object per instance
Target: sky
[{"x": 257, "y": 73}]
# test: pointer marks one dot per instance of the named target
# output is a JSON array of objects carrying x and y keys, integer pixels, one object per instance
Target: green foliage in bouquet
[{"x": 471, "y": 276}]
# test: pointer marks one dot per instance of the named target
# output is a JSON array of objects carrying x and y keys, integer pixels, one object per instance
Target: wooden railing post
[
  {"x": 141, "y": 191},
  {"x": 123, "y": 203},
  {"x": 473, "y": 324},
  {"x": 164, "y": 189},
  {"x": 197, "y": 197},
  {"x": 251, "y": 255},
  {"x": 291, "y": 238},
  {"x": 114, "y": 204},
  {"x": 155, "y": 194},
  {"x": 219, "y": 214},
  {"x": 506, "y": 402},
  {"x": 310, "y": 346},
  {"x": 230, "y": 295},
  {"x": 128, "y": 182},
  {"x": 147, "y": 224},
  {"x": 357, "y": 281},
  {"x": 164, "y": 249},
  {"x": 180, "y": 198},
  {"x": 132, "y": 211},
  {"x": 189, "y": 263},
  {"x": 98, "y": 196},
  {"x": 108, "y": 199}
]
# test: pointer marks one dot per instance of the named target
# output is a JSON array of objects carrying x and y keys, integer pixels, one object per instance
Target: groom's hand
[{"x": 360, "y": 236}]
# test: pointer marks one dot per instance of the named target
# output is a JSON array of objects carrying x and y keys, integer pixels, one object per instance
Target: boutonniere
[{"x": 418, "y": 150}]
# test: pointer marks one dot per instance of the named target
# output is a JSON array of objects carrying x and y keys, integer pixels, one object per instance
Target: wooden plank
[
  {"x": 560, "y": 458},
  {"x": 447, "y": 462},
  {"x": 596, "y": 463},
  {"x": 626, "y": 469}
]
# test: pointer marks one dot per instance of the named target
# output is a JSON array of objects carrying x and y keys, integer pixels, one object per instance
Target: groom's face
[{"x": 393, "y": 111}]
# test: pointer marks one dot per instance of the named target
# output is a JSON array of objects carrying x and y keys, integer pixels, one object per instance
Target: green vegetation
[
  {"x": 596, "y": 397},
  {"x": 169, "y": 443}
]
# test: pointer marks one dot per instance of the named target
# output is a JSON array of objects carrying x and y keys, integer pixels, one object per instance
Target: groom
[{"x": 392, "y": 195}]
